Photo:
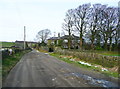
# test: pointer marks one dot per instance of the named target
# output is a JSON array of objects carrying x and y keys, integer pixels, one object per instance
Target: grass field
[
  {"x": 7, "y": 44},
  {"x": 101, "y": 52},
  {"x": 110, "y": 53},
  {"x": 106, "y": 53}
]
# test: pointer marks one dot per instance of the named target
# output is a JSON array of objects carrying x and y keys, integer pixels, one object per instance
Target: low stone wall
[{"x": 105, "y": 61}]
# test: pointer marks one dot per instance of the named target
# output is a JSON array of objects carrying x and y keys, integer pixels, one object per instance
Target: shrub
[
  {"x": 5, "y": 54},
  {"x": 98, "y": 48}
]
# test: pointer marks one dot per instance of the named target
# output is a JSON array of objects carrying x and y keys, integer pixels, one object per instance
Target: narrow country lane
[{"x": 37, "y": 69}]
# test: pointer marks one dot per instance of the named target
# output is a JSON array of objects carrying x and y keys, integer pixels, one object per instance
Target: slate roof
[
  {"x": 67, "y": 36},
  {"x": 64, "y": 37},
  {"x": 54, "y": 38},
  {"x": 25, "y": 41}
]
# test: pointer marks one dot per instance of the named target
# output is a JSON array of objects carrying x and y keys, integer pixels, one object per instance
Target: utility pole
[{"x": 24, "y": 37}]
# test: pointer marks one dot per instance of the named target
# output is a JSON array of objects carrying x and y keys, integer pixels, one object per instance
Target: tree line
[{"x": 97, "y": 25}]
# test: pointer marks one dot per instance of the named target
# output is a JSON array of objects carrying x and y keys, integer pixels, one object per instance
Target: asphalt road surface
[{"x": 36, "y": 69}]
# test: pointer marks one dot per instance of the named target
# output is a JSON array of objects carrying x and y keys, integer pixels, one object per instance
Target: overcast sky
[{"x": 36, "y": 15}]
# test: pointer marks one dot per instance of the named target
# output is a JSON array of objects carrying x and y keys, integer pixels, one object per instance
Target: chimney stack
[{"x": 59, "y": 35}]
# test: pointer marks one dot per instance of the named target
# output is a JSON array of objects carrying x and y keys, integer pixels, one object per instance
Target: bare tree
[
  {"x": 68, "y": 24},
  {"x": 98, "y": 23},
  {"x": 117, "y": 30},
  {"x": 108, "y": 25},
  {"x": 93, "y": 22},
  {"x": 102, "y": 26},
  {"x": 42, "y": 35},
  {"x": 80, "y": 20},
  {"x": 112, "y": 24}
]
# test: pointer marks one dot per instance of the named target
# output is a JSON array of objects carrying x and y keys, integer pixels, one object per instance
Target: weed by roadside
[
  {"x": 91, "y": 57},
  {"x": 10, "y": 61},
  {"x": 70, "y": 57},
  {"x": 85, "y": 65}
]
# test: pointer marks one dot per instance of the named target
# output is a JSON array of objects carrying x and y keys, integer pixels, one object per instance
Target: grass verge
[
  {"x": 9, "y": 62},
  {"x": 91, "y": 57},
  {"x": 97, "y": 69}
]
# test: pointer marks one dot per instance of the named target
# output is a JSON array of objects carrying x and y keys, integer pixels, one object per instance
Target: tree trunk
[
  {"x": 81, "y": 40},
  {"x": 69, "y": 40},
  {"x": 110, "y": 47},
  {"x": 116, "y": 44},
  {"x": 105, "y": 44},
  {"x": 92, "y": 41},
  {"x": 92, "y": 45},
  {"x": 69, "y": 43},
  {"x": 81, "y": 43}
]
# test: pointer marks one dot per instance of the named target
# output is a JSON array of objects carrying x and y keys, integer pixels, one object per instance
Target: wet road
[{"x": 37, "y": 69}]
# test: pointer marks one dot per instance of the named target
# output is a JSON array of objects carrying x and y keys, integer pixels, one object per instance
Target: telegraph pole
[{"x": 24, "y": 37}]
